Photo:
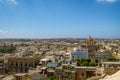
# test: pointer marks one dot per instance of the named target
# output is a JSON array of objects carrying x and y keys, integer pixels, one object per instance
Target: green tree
[
  {"x": 7, "y": 50},
  {"x": 88, "y": 60},
  {"x": 77, "y": 59},
  {"x": 92, "y": 64},
  {"x": 111, "y": 59},
  {"x": 85, "y": 64},
  {"x": 52, "y": 78},
  {"x": 100, "y": 64},
  {"x": 83, "y": 60}
]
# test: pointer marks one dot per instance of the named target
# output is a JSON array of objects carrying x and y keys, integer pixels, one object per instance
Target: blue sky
[{"x": 59, "y": 18}]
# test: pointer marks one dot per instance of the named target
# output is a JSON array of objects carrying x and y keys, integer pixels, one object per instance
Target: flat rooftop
[
  {"x": 111, "y": 62},
  {"x": 20, "y": 74},
  {"x": 85, "y": 67}
]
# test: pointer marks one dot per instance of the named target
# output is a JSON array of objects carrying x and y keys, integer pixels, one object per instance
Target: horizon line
[{"x": 61, "y": 38}]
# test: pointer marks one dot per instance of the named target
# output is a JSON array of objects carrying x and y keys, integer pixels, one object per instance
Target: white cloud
[
  {"x": 2, "y": 31},
  {"x": 109, "y": 1},
  {"x": 13, "y": 1},
  {"x": 10, "y": 1}
]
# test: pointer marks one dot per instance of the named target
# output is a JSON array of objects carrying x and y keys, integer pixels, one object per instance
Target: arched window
[
  {"x": 16, "y": 64},
  {"x": 21, "y": 64}
]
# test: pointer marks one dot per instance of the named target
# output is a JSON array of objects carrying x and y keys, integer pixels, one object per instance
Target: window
[
  {"x": 82, "y": 74},
  {"x": 26, "y": 64},
  {"x": 72, "y": 56},
  {"x": 21, "y": 64},
  {"x": 16, "y": 64},
  {"x": 12, "y": 64},
  {"x": 26, "y": 70}
]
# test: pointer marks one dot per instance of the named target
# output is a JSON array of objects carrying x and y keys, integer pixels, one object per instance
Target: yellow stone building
[{"x": 22, "y": 64}]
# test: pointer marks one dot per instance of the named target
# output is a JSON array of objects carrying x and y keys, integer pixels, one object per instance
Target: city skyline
[{"x": 59, "y": 18}]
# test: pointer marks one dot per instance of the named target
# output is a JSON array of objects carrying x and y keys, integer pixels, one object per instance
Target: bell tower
[
  {"x": 90, "y": 41},
  {"x": 91, "y": 48}
]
